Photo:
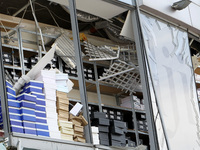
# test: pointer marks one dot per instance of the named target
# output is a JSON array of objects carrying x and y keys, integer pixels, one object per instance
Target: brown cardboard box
[
  {"x": 79, "y": 139},
  {"x": 67, "y": 137},
  {"x": 65, "y": 124},
  {"x": 63, "y": 106},
  {"x": 61, "y": 94},
  {"x": 84, "y": 121},
  {"x": 62, "y": 100},
  {"x": 66, "y": 118},
  {"x": 66, "y": 130},
  {"x": 76, "y": 122},
  {"x": 79, "y": 134},
  {"x": 78, "y": 128},
  {"x": 63, "y": 113}
]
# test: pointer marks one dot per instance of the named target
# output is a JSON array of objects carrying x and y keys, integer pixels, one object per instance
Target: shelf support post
[
  {"x": 79, "y": 62},
  {"x": 4, "y": 102},
  {"x": 140, "y": 47}
]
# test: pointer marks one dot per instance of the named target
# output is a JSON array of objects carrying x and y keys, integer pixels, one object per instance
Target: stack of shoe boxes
[
  {"x": 118, "y": 130},
  {"x": 113, "y": 114},
  {"x": 26, "y": 63},
  {"x": 142, "y": 123},
  {"x": 35, "y": 88},
  {"x": 14, "y": 110},
  {"x": 65, "y": 126},
  {"x": 95, "y": 135},
  {"x": 99, "y": 120},
  {"x": 49, "y": 79},
  {"x": 78, "y": 123},
  {"x": 7, "y": 58}
]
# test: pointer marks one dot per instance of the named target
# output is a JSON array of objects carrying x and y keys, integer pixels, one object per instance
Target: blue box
[
  {"x": 42, "y": 133},
  {"x": 27, "y": 111},
  {"x": 38, "y": 95},
  {"x": 25, "y": 117},
  {"x": 40, "y": 102},
  {"x": 41, "y": 120},
  {"x": 9, "y": 84},
  {"x": 13, "y": 103},
  {"x": 30, "y": 131},
  {"x": 30, "y": 89},
  {"x": 18, "y": 129},
  {"x": 40, "y": 114},
  {"x": 15, "y": 116},
  {"x": 10, "y": 90},
  {"x": 40, "y": 108},
  {"x": 14, "y": 110},
  {"x": 41, "y": 126},
  {"x": 28, "y": 104},
  {"x": 1, "y": 125},
  {"x": 35, "y": 83},
  {"x": 28, "y": 124},
  {"x": 27, "y": 97},
  {"x": 11, "y": 96},
  {"x": 15, "y": 122}
]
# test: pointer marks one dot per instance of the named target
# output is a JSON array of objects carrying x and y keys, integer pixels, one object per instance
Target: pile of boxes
[
  {"x": 142, "y": 123},
  {"x": 138, "y": 104},
  {"x": 49, "y": 79},
  {"x": 117, "y": 136},
  {"x": 23, "y": 109},
  {"x": 99, "y": 120},
  {"x": 78, "y": 125},
  {"x": 113, "y": 114},
  {"x": 7, "y": 58},
  {"x": 95, "y": 135}
]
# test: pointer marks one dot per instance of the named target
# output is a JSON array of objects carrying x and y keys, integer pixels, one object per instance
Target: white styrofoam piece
[
  {"x": 76, "y": 109},
  {"x": 55, "y": 135},
  {"x": 95, "y": 129}
]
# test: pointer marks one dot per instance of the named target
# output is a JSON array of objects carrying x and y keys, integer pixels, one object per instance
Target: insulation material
[
  {"x": 171, "y": 70},
  {"x": 97, "y": 53},
  {"x": 95, "y": 7},
  {"x": 65, "y": 49},
  {"x": 123, "y": 76}
]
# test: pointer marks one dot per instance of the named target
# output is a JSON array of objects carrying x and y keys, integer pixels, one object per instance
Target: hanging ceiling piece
[
  {"x": 65, "y": 49},
  {"x": 97, "y": 8},
  {"x": 82, "y": 16},
  {"x": 123, "y": 76},
  {"x": 99, "y": 53}
]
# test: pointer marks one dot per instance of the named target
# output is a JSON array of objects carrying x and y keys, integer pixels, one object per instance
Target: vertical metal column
[
  {"x": 97, "y": 86},
  {"x": 79, "y": 62},
  {"x": 21, "y": 52},
  {"x": 4, "y": 102},
  {"x": 134, "y": 120},
  {"x": 140, "y": 47}
]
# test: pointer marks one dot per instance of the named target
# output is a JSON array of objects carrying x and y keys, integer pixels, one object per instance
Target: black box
[
  {"x": 104, "y": 142},
  {"x": 120, "y": 118},
  {"x": 119, "y": 124},
  {"x": 117, "y": 137},
  {"x": 105, "y": 110},
  {"x": 111, "y": 112},
  {"x": 103, "y": 136},
  {"x": 117, "y": 130},
  {"x": 115, "y": 143},
  {"x": 112, "y": 117},
  {"x": 100, "y": 121},
  {"x": 103, "y": 129},
  {"x": 97, "y": 115}
]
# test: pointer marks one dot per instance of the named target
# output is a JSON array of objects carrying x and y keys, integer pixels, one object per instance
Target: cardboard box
[
  {"x": 96, "y": 115},
  {"x": 79, "y": 134},
  {"x": 63, "y": 119},
  {"x": 66, "y": 124},
  {"x": 63, "y": 113},
  {"x": 62, "y": 100},
  {"x": 80, "y": 139},
  {"x": 66, "y": 130},
  {"x": 78, "y": 128},
  {"x": 62, "y": 95},
  {"x": 63, "y": 106},
  {"x": 67, "y": 137},
  {"x": 76, "y": 122}
]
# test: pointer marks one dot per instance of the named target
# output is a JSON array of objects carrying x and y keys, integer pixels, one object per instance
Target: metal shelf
[{"x": 140, "y": 132}]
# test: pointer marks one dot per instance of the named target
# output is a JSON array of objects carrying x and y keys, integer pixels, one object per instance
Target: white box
[{"x": 95, "y": 129}]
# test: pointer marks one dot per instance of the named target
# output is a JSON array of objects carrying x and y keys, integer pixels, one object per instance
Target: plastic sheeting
[{"x": 172, "y": 75}]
